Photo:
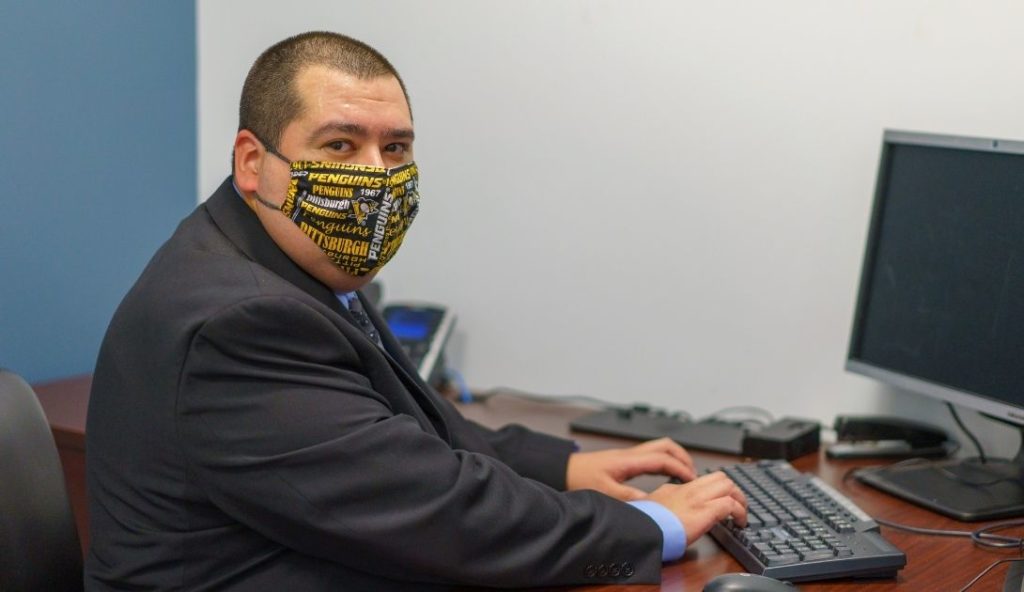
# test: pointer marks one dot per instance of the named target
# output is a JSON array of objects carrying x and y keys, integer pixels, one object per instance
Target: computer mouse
[{"x": 744, "y": 582}]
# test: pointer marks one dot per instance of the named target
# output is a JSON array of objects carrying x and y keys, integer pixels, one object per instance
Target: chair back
[{"x": 39, "y": 547}]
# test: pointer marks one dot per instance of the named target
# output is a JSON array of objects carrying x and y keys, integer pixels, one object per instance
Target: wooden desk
[
  {"x": 65, "y": 403},
  {"x": 933, "y": 563}
]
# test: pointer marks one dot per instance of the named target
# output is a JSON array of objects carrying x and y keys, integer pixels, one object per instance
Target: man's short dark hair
[{"x": 269, "y": 97}]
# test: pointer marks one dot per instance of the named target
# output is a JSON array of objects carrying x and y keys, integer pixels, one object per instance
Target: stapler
[{"x": 884, "y": 436}]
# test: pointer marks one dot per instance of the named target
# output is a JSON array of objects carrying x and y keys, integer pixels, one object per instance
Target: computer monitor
[{"x": 940, "y": 309}]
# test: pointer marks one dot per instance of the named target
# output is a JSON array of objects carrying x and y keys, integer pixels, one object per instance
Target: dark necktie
[{"x": 355, "y": 308}]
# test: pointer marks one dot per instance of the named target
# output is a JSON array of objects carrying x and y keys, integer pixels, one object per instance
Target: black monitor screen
[{"x": 942, "y": 290}]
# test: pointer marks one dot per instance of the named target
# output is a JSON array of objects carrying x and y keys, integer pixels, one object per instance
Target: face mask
[{"x": 357, "y": 214}]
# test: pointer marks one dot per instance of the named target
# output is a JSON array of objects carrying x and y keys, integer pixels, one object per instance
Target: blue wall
[{"x": 97, "y": 166}]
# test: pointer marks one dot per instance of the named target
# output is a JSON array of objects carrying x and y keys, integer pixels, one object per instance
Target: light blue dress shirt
[
  {"x": 673, "y": 534},
  {"x": 345, "y": 297}
]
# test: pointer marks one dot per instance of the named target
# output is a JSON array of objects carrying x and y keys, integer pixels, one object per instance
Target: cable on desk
[
  {"x": 465, "y": 396},
  {"x": 907, "y": 461},
  {"x": 764, "y": 417},
  {"x": 503, "y": 391},
  {"x": 982, "y": 537},
  {"x": 986, "y": 570},
  {"x": 723, "y": 415},
  {"x": 977, "y": 444},
  {"x": 924, "y": 531}
]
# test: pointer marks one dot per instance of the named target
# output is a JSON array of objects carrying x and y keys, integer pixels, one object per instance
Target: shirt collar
[{"x": 346, "y": 298}]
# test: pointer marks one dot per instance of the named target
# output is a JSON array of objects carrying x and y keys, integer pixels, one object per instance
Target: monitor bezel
[{"x": 977, "y": 401}]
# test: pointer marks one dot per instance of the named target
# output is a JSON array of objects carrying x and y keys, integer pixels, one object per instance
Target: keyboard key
[
  {"x": 785, "y": 559},
  {"x": 763, "y": 547},
  {"x": 817, "y": 555}
]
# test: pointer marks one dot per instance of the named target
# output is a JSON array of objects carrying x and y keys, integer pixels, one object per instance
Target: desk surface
[{"x": 933, "y": 563}]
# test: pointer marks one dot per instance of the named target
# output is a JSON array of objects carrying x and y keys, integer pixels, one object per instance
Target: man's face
[{"x": 344, "y": 119}]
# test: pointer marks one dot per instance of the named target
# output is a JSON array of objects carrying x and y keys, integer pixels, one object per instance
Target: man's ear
[{"x": 249, "y": 154}]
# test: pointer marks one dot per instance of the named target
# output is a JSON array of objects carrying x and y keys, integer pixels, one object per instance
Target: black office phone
[{"x": 422, "y": 330}]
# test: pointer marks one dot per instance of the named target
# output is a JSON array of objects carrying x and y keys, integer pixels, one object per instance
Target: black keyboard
[{"x": 799, "y": 528}]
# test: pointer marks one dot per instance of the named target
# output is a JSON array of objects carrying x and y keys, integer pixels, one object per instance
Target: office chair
[{"x": 39, "y": 548}]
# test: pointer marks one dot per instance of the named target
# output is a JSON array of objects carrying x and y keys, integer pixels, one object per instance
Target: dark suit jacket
[{"x": 244, "y": 434}]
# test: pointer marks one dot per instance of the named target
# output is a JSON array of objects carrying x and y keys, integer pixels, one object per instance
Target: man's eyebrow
[
  {"x": 355, "y": 129},
  {"x": 400, "y": 133},
  {"x": 338, "y": 127}
]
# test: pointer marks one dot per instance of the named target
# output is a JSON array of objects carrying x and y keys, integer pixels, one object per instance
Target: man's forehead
[
  {"x": 336, "y": 103},
  {"x": 319, "y": 86}
]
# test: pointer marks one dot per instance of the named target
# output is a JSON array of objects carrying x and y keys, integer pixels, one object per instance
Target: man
[{"x": 254, "y": 426}]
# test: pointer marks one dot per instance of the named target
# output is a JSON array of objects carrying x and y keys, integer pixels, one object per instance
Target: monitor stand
[{"x": 964, "y": 489}]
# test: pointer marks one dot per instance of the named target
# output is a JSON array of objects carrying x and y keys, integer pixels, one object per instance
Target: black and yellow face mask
[{"x": 357, "y": 214}]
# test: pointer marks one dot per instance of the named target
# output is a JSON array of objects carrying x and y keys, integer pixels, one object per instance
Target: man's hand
[
  {"x": 702, "y": 502},
  {"x": 605, "y": 471}
]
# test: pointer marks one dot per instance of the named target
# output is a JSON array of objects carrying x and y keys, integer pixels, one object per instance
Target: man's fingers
[
  {"x": 737, "y": 494},
  {"x": 718, "y": 483},
  {"x": 719, "y": 509},
  {"x": 724, "y": 507},
  {"x": 657, "y": 463},
  {"x": 721, "y": 490},
  {"x": 717, "y": 488},
  {"x": 668, "y": 446},
  {"x": 739, "y": 513},
  {"x": 703, "y": 502},
  {"x": 712, "y": 485}
]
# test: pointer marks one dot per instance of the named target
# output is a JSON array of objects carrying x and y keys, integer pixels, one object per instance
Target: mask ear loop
[
  {"x": 267, "y": 204},
  {"x": 270, "y": 149}
]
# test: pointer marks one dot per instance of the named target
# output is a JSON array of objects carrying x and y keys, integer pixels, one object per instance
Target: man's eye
[{"x": 339, "y": 145}]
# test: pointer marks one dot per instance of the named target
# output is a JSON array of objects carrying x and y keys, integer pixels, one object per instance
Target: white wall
[{"x": 660, "y": 201}]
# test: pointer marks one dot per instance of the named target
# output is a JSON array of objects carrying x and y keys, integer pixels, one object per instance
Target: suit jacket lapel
[{"x": 403, "y": 366}]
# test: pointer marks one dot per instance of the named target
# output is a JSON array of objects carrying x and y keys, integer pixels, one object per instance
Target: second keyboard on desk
[{"x": 799, "y": 528}]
